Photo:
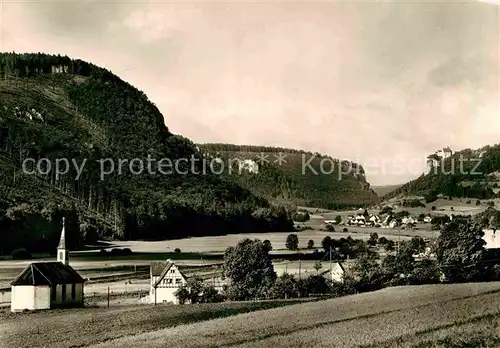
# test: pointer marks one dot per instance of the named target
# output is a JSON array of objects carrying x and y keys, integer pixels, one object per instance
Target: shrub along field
[{"x": 416, "y": 315}]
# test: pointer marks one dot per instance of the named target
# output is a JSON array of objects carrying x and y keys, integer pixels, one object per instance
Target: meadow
[
  {"x": 87, "y": 326},
  {"x": 390, "y": 317}
]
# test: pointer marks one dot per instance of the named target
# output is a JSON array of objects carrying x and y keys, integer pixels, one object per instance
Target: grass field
[
  {"x": 88, "y": 326},
  {"x": 402, "y": 316}
]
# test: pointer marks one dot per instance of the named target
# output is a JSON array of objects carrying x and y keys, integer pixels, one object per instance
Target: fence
[{"x": 99, "y": 299}]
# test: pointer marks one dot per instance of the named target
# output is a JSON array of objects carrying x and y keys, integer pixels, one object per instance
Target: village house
[
  {"x": 491, "y": 238},
  {"x": 166, "y": 278},
  {"x": 47, "y": 285},
  {"x": 360, "y": 220},
  {"x": 336, "y": 273},
  {"x": 375, "y": 221}
]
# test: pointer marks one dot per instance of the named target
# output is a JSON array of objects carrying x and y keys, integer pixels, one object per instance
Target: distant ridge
[
  {"x": 385, "y": 189},
  {"x": 467, "y": 173},
  {"x": 292, "y": 181}
]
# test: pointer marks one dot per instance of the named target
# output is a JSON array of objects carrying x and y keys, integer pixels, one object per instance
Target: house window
[
  {"x": 170, "y": 281},
  {"x": 63, "y": 292},
  {"x": 61, "y": 255},
  {"x": 53, "y": 292},
  {"x": 178, "y": 280},
  {"x": 172, "y": 271},
  {"x": 73, "y": 291}
]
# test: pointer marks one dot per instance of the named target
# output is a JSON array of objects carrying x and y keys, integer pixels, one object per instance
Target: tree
[
  {"x": 368, "y": 273},
  {"x": 382, "y": 240},
  {"x": 286, "y": 286},
  {"x": 433, "y": 208},
  {"x": 373, "y": 239},
  {"x": 330, "y": 228},
  {"x": 389, "y": 245},
  {"x": 366, "y": 214},
  {"x": 210, "y": 295},
  {"x": 327, "y": 243},
  {"x": 268, "y": 245},
  {"x": 310, "y": 244},
  {"x": 249, "y": 269},
  {"x": 494, "y": 221},
  {"x": 318, "y": 265},
  {"x": 385, "y": 210},
  {"x": 292, "y": 242},
  {"x": 338, "y": 219},
  {"x": 426, "y": 271},
  {"x": 182, "y": 294},
  {"x": 417, "y": 245},
  {"x": 460, "y": 249}
]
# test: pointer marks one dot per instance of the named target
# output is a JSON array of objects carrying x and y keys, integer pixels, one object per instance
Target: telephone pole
[
  {"x": 399, "y": 233},
  {"x": 331, "y": 275}
]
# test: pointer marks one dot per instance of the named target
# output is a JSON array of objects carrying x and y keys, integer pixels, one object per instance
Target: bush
[
  {"x": 292, "y": 242},
  {"x": 210, "y": 295},
  {"x": 126, "y": 251},
  {"x": 268, "y": 245},
  {"x": 433, "y": 208},
  {"x": 120, "y": 252},
  {"x": 103, "y": 251},
  {"x": 330, "y": 228},
  {"x": 430, "y": 198},
  {"x": 301, "y": 217},
  {"x": 21, "y": 254},
  {"x": 414, "y": 203},
  {"x": 468, "y": 202},
  {"x": 345, "y": 229},
  {"x": 177, "y": 250},
  {"x": 385, "y": 210},
  {"x": 310, "y": 244},
  {"x": 478, "y": 202},
  {"x": 382, "y": 240}
]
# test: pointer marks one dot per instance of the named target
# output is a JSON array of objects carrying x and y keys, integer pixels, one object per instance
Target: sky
[{"x": 383, "y": 84}]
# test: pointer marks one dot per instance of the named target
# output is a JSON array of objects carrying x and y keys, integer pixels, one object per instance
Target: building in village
[
  {"x": 492, "y": 239},
  {"x": 166, "y": 278},
  {"x": 336, "y": 273},
  {"x": 47, "y": 285}
]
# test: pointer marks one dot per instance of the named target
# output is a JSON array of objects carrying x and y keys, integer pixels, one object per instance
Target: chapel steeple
[{"x": 62, "y": 253}]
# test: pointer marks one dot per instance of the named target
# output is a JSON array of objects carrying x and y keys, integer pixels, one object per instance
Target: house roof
[
  {"x": 342, "y": 267},
  {"x": 47, "y": 273},
  {"x": 160, "y": 269}
]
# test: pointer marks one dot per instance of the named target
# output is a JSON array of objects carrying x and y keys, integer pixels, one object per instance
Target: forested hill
[
  {"x": 54, "y": 108},
  {"x": 467, "y": 173},
  {"x": 295, "y": 176}
]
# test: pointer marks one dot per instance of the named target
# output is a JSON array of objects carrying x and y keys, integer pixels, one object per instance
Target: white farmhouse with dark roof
[
  {"x": 47, "y": 285},
  {"x": 165, "y": 279}
]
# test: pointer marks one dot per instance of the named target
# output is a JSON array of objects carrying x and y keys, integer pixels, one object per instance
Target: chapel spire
[{"x": 62, "y": 253}]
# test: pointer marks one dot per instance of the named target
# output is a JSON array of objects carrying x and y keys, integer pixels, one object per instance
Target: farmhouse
[
  {"x": 47, "y": 285},
  {"x": 336, "y": 274},
  {"x": 165, "y": 279},
  {"x": 492, "y": 239}
]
